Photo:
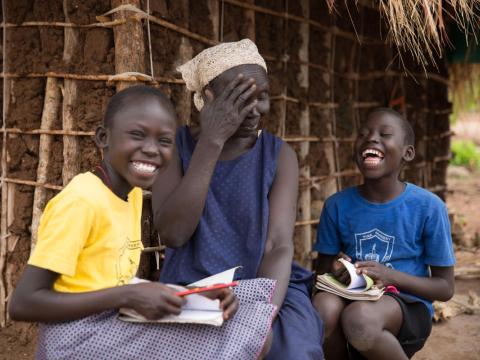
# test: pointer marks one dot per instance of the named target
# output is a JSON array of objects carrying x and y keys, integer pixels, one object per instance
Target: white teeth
[
  {"x": 372, "y": 152},
  {"x": 144, "y": 167}
]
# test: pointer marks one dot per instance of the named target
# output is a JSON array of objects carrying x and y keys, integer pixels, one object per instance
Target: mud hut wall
[{"x": 350, "y": 70}]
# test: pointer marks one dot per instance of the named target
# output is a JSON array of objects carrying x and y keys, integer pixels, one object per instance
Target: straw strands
[{"x": 418, "y": 26}]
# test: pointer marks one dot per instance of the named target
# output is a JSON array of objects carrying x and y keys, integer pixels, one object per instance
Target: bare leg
[
  {"x": 371, "y": 327},
  {"x": 330, "y": 307}
]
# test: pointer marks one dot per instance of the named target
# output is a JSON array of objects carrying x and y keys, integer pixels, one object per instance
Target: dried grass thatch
[{"x": 418, "y": 26}]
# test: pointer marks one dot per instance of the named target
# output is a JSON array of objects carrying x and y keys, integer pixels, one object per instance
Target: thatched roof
[{"x": 419, "y": 26}]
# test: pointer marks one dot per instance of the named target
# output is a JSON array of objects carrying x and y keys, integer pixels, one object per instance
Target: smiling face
[
  {"x": 380, "y": 147},
  {"x": 139, "y": 142},
  {"x": 261, "y": 94}
]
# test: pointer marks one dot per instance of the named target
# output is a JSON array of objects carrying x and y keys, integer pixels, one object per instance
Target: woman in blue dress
[{"x": 229, "y": 195}]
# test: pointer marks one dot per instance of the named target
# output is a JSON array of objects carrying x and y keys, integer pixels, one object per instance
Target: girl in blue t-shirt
[{"x": 396, "y": 233}]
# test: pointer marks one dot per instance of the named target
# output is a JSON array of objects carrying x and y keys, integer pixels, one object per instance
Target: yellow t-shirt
[{"x": 90, "y": 236}]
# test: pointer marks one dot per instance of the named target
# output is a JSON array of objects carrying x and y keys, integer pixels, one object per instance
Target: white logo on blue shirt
[{"x": 374, "y": 245}]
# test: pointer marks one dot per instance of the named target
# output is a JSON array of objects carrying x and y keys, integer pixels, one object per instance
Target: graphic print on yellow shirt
[
  {"x": 126, "y": 264},
  {"x": 90, "y": 236}
]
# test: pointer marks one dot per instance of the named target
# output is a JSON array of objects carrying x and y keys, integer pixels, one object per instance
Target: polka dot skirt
[{"x": 103, "y": 336}]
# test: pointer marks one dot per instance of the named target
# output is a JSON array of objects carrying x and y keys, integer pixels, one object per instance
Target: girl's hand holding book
[
  {"x": 153, "y": 300},
  {"x": 228, "y": 301},
  {"x": 339, "y": 270},
  {"x": 381, "y": 275}
]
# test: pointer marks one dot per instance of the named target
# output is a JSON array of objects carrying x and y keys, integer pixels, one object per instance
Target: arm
[
  {"x": 439, "y": 286},
  {"x": 324, "y": 263},
  {"x": 178, "y": 201},
  {"x": 277, "y": 259},
  {"x": 35, "y": 300}
]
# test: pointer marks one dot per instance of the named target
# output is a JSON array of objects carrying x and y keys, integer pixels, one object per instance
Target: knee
[
  {"x": 329, "y": 308},
  {"x": 360, "y": 326}
]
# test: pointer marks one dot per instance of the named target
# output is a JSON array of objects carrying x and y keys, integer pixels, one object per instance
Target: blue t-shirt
[{"x": 407, "y": 234}]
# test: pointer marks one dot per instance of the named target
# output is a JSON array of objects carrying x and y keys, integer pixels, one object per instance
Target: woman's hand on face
[
  {"x": 381, "y": 275},
  {"x": 154, "y": 300},
  {"x": 221, "y": 116},
  {"x": 228, "y": 301}
]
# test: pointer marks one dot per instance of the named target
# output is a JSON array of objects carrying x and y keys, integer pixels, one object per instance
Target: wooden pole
[
  {"x": 184, "y": 103},
  {"x": 71, "y": 164},
  {"x": 129, "y": 42},
  {"x": 330, "y": 185},
  {"x": 70, "y": 143},
  {"x": 49, "y": 116},
  {"x": 283, "y": 109},
  {"x": 4, "y": 202},
  {"x": 305, "y": 198},
  {"x": 333, "y": 114},
  {"x": 249, "y": 19},
  {"x": 214, "y": 13}
]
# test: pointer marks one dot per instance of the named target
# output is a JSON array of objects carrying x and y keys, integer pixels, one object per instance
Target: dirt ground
[{"x": 456, "y": 338}]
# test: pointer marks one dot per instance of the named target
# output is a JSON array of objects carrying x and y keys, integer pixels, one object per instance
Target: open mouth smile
[
  {"x": 372, "y": 157},
  {"x": 144, "y": 167}
]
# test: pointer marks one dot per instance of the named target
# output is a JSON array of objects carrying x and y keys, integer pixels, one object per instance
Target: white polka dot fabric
[{"x": 103, "y": 336}]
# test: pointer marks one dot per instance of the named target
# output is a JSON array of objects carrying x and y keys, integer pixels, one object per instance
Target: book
[
  {"x": 197, "y": 309},
  {"x": 359, "y": 287}
]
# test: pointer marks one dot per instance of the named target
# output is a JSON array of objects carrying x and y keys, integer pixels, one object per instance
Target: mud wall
[{"x": 326, "y": 72}]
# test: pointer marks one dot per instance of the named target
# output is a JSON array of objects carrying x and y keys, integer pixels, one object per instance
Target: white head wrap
[{"x": 213, "y": 61}]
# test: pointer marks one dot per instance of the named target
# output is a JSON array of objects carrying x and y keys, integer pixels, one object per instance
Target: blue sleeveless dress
[{"x": 233, "y": 230}]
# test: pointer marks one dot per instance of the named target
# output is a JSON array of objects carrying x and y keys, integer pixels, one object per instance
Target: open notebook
[
  {"x": 360, "y": 286},
  {"x": 197, "y": 310}
]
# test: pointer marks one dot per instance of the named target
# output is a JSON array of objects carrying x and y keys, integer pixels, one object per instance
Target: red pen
[{"x": 206, "y": 288}]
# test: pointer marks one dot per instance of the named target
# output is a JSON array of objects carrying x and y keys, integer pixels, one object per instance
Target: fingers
[
  {"x": 169, "y": 296},
  {"x": 344, "y": 256},
  {"x": 343, "y": 276},
  {"x": 230, "y": 87},
  {"x": 361, "y": 264},
  {"x": 243, "y": 93},
  {"x": 171, "y": 309},
  {"x": 246, "y": 110},
  {"x": 229, "y": 304}
]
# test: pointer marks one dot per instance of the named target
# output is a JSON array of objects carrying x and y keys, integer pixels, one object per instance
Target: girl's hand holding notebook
[{"x": 218, "y": 304}]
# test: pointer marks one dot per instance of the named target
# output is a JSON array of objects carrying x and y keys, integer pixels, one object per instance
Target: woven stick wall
[{"x": 64, "y": 59}]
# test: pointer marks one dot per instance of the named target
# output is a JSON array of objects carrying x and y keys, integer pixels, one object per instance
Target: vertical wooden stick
[
  {"x": 303, "y": 80},
  {"x": 49, "y": 116},
  {"x": 71, "y": 165},
  {"x": 129, "y": 43},
  {"x": 214, "y": 9},
  {"x": 184, "y": 103},
  {"x": 330, "y": 186},
  {"x": 283, "y": 110},
  {"x": 4, "y": 203},
  {"x": 332, "y": 99},
  {"x": 249, "y": 18}
]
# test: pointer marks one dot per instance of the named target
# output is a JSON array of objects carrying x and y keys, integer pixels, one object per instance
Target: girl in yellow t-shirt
[{"x": 89, "y": 248}]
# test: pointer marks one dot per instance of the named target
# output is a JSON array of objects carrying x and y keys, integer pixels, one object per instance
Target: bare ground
[{"x": 458, "y": 338}]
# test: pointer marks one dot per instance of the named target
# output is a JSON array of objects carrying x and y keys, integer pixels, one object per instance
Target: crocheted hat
[{"x": 213, "y": 61}]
